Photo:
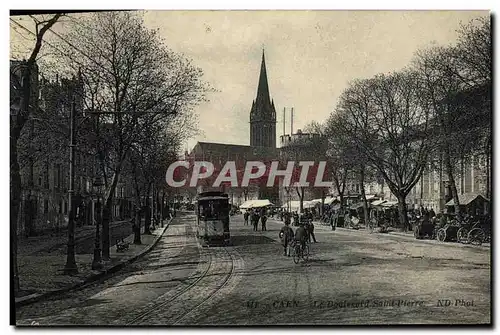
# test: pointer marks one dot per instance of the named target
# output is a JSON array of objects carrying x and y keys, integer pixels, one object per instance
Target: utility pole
[{"x": 70, "y": 267}]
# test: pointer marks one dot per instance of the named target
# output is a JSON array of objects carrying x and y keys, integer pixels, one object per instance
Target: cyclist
[
  {"x": 301, "y": 235},
  {"x": 286, "y": 236}
]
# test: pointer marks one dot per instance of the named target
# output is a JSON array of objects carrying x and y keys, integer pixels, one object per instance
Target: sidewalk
[
  {"x": 35, "y": 244},
  {"x": 405, "y": 235},
  {"x": 41, "y": 275}
]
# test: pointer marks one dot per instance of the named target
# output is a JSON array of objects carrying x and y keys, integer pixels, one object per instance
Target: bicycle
[{"x": 299, "y": 253}]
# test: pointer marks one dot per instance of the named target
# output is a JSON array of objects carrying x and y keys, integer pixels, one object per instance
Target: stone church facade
[{"x": 262, "y": 145}]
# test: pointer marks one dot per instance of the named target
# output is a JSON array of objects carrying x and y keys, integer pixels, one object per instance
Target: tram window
[
  {"x": 209, "y": 210},
  {"x": 213, "y": 210}
]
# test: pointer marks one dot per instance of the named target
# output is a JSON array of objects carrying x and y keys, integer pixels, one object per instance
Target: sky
[{"x": 310, "y": 56}]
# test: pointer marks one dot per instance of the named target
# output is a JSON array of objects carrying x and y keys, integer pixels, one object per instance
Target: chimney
[{"x": 291, "y": 123}]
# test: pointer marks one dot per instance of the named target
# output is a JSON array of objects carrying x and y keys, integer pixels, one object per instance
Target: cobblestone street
[{"x": 351, "y": 277}]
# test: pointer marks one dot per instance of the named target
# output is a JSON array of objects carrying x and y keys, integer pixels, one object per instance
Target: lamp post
[{"x": 97, "y": 261}]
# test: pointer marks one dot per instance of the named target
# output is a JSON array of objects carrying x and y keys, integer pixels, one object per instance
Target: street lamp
[{"x": 97, "y": 261}]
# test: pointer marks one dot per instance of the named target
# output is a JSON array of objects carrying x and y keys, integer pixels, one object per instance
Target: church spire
[{"x": 263, "y": 88}]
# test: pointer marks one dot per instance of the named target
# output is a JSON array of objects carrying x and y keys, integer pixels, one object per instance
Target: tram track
[
  {"x": 215, "y": 270},
  {"x": 213, "y": 293}
]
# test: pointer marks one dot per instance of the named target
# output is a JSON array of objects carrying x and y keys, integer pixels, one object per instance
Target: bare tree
[
  {"x": 23, "y": 85},
  {"x": 133, "y": 80},
  {"x": 385, "y": 119},
  {"x": 440, "y": 87},
  {"x": 340, "y": 155}
]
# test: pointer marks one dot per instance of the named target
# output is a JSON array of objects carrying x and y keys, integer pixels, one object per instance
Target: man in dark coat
[
  {"x": 263, "y": 219},
  {"x": 245, "y": 216},
  {"x": 255, "y": 220},
  {"x": 286, "y": 236}
]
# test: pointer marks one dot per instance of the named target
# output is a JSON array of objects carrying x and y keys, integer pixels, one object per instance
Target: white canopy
[
  {"x": 255, "y": 204},
  {"x": 295, "y": 205},
  {"x": 329, "y": 200},
  {"x": 246, "y": 204}
]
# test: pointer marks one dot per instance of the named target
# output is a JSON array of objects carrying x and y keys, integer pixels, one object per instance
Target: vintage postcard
[{"x": 255, "y": 168}]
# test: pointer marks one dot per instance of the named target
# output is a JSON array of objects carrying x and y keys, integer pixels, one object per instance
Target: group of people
[
  {"x": 304, "y": 232},
  {"x": 254, "y": 215},
  {"x": 302, "y": 235}
]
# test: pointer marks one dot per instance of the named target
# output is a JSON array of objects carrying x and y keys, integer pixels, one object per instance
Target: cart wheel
[
  {"x": 462, "y": 235},
  {"x": 296, "y": 255},
  {"x": 305, "y": 253},
  {"x": 476, "y": 236},
  {"x": 441, "y": 235}
]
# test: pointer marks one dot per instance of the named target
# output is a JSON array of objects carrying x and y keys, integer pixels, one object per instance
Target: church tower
[{"x": 263, "y": 114}]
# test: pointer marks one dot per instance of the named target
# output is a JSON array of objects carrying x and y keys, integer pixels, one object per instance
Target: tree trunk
[
  {"x": 363, "y": 194},
  {"x": 341, "y": 196},
  {"x": 300, "y": 193},
  {"x": 137, "y": 226},
  {"x": 15, "y": 198},
  {"x": 147, "y": 214},
  {"x": 163, "y": 214},
  {"x": 451, "y": 180},
  {"x": 488, "y": 172},
  {"x": 322, "y": 203},
  {"x": 106, "y": 217},
  {"x": 403, "y": 211}
]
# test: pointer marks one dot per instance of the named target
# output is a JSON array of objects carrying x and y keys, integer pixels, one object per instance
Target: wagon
[{"x": 448, "y": 233}]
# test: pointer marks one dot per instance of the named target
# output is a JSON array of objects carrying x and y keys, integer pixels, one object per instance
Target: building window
[
  {"x": 45, "y": 206},
  {"x": 65, "y": 208}
]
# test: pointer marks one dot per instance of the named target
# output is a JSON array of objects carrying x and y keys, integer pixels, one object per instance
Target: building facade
[{"x": 44, "y": 160}]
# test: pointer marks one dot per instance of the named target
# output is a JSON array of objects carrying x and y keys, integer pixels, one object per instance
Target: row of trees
[
  {"x": 392, "y": 126},
  {"x": 137, "y": 99}
]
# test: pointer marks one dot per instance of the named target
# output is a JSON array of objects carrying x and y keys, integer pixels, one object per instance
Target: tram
[{"x": 212, "y": 218}]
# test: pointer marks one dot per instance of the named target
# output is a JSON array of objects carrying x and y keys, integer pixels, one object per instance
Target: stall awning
[
  {"x": 261, "y": 203},
  {"x": 390, "y": 204},
  {"x": 357, "y": 205},
  {"x": 467, "y": 198},
  {"x": 371, "y": 197},
  {"x": 295, "y": 205},
  {"x": 330, "y": 200},
  {"x": 377, "y": 202},
  {"x": 256, "y": 203}
]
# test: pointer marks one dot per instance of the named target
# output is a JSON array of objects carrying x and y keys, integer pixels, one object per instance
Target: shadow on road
[{"x": 250, "y": 239}]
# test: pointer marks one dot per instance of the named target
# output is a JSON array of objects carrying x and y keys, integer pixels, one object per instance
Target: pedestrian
[
  {"x": 288, "y": 218},
  {"x": 347, "y": 220},
  {"x": 310, "y": 231},
  {"x": 286, "y": 236},
  {"x": 295, "y": 219},
  {"x": 245, "y": 216},
  {"x": 333, "y": 220},
  {"x": 432, "y": 213},
  {"x": 255, "y": 220},
  {"x": 263, "y": 219}
]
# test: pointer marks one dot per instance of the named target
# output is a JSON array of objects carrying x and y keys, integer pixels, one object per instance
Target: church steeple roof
[{"x": 263, "y": 88}]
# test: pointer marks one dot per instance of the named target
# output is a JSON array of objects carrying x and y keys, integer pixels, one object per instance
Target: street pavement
[{"x": 352, "y": 277}]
